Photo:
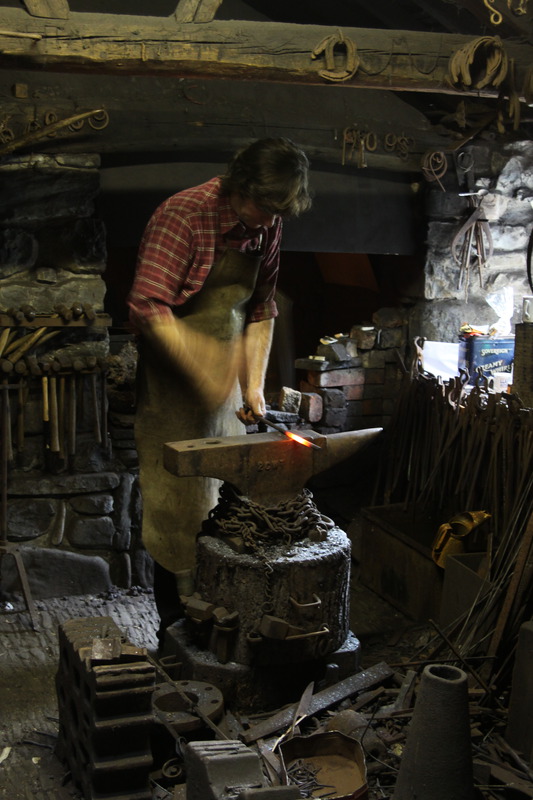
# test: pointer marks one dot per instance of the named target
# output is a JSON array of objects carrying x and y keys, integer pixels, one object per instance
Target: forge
[{"x": 267, "y": 608}]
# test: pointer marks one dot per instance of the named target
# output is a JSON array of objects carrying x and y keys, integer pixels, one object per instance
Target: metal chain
[
  {"x": 293, "y": 520},
  {"x": 259, "y": 527}
]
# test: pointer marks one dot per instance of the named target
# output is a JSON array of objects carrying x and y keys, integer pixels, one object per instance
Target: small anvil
[{"x": 262, "y": 466}]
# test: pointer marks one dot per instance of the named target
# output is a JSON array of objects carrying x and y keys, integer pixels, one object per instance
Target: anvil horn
[{"x": 264, "y": 467}]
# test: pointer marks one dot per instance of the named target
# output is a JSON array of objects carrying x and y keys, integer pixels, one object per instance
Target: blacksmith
[{"x": 203, "y": 304}]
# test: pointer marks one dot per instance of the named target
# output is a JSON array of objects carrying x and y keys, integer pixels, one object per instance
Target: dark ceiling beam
[{"x": 280, "y": 52}]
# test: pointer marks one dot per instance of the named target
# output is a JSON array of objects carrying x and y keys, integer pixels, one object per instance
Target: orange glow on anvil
[{"x": 297, "y": 438}]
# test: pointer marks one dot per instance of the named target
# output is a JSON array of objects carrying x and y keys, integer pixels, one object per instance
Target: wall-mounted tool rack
[
  {"x": 62, "y": 379},
  {"x": 53, "y": 320},
  {"x": 10, "y": 548}
]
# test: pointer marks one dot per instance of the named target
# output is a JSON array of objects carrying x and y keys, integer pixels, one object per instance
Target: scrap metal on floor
[{"x": 374, "y": 711}]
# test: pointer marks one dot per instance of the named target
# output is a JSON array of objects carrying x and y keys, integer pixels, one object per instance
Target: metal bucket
[{"x": 336, "y": 760}]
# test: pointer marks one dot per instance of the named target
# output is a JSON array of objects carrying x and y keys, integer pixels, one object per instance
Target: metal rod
[{"x": 279, "y": 429}]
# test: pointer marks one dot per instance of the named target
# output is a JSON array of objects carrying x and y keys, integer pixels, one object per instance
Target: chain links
[
  {"x": 290, "y": 521},
  {"x": 260, "y": 527}
]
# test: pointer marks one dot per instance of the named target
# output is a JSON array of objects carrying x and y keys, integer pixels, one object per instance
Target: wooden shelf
[{"x": 55, "y": 321}]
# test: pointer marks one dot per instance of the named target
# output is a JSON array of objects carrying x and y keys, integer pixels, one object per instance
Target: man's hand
[{"x": 254, "y": 407}]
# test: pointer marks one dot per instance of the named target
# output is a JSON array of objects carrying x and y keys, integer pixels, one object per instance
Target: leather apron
[{"x": 169, "y": 409}]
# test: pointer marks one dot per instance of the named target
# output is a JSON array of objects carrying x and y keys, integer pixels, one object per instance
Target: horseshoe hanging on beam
[{"x": 327, "y": 46}]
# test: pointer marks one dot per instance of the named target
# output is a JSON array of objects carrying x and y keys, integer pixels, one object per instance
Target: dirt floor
[{"x": 29, "y": 767}]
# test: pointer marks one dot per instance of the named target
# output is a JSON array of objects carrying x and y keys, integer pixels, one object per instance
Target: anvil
[{"x": 262, "y": 466}]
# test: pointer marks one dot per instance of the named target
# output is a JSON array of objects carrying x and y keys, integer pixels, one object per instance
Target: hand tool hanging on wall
[
  {"x": 71, "y": 417},
  {"x": 6, "y": 420},
  {"x": 54, "y": 417},
  {"x": 103, "y": 398},
  {"x": 6, "y": 455},
  {"x": 61, "y": 415},
  {"x": 89, "y": 311},
  {"x": 29, "y": 312},
  {"x": 16, "y": 314},
  {"x": 95, "y": 411},
  {"x": 472, "y": 245},
  {"x": 77, "y": 310},
  {"x": 21, "y": 413},
  {"x": 45, "y": 406},
  {"x": 4, "y": 339},
  {"x": 63, "y": 311}
]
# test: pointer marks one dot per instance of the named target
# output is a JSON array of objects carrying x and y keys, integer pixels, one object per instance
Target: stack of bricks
[{"x": 353, "y": 380}]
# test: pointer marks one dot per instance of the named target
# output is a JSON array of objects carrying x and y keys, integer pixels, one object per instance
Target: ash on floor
[
  {"x": 28, "y": 700},
  {"x": 29, "y": 661}
]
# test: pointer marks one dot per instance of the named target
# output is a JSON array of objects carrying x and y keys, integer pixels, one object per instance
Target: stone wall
[
  {"x": 504, "y": 180},
  {"x": 359, "y": 391},
  {"x": 68, "y": 462}
]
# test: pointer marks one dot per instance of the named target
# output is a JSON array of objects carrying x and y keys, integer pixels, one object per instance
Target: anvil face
[{"x": 264, "y": 467}]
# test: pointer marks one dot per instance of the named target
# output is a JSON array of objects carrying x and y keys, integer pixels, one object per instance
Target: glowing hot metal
[{"x": 290, "y": 434}]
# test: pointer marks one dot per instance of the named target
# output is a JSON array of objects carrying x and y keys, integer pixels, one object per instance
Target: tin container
[
  {"x": 338, "y": 761},
  {"x": 494, "y": 355}
]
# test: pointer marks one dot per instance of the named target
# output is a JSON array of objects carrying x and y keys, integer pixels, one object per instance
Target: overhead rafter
[{"x": 264, "y": 51}]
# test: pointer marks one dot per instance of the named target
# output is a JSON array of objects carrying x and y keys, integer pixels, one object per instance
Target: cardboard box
[{"x": 494, "y": 355}]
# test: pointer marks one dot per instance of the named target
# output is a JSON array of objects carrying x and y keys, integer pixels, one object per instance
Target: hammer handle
[
  {"x": 6, "y": 421},
  {"x": 22, "y": 397},
  {"x": 54, "y": 419},
  {"x": 95, "y": 408},
  {"x": 4, "y": 338},
  {"x": 46, "y": 408},
  {"x": 71, "y": 419},
  {"x": 24, "y": 344}
]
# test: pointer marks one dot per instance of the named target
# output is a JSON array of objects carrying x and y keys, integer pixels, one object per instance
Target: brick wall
[{"x": 352, "y": 380}]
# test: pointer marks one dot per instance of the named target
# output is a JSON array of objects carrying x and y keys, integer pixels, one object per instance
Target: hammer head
[{"x": 264, "y": 467}]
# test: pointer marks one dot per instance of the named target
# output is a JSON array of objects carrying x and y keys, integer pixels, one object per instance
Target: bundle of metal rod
[
  {"x": 448, "y": 448},
  {"x": 445, "y": 444}
]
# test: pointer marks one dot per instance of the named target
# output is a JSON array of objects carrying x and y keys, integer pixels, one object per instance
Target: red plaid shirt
[{"x": 186, "y": 235}]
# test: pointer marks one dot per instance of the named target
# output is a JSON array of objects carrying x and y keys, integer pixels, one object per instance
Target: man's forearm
[{"x": 257, "y": 344}]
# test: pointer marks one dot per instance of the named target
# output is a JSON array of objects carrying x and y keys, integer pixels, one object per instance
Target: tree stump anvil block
[{"x": 266, "y": 468}]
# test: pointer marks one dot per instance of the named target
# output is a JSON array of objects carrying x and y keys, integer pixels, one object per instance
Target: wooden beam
[
  {"x": 50, "y": 9},
  {"x": 208, "y": 119},
  {"x": 262, "y": 51}
]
